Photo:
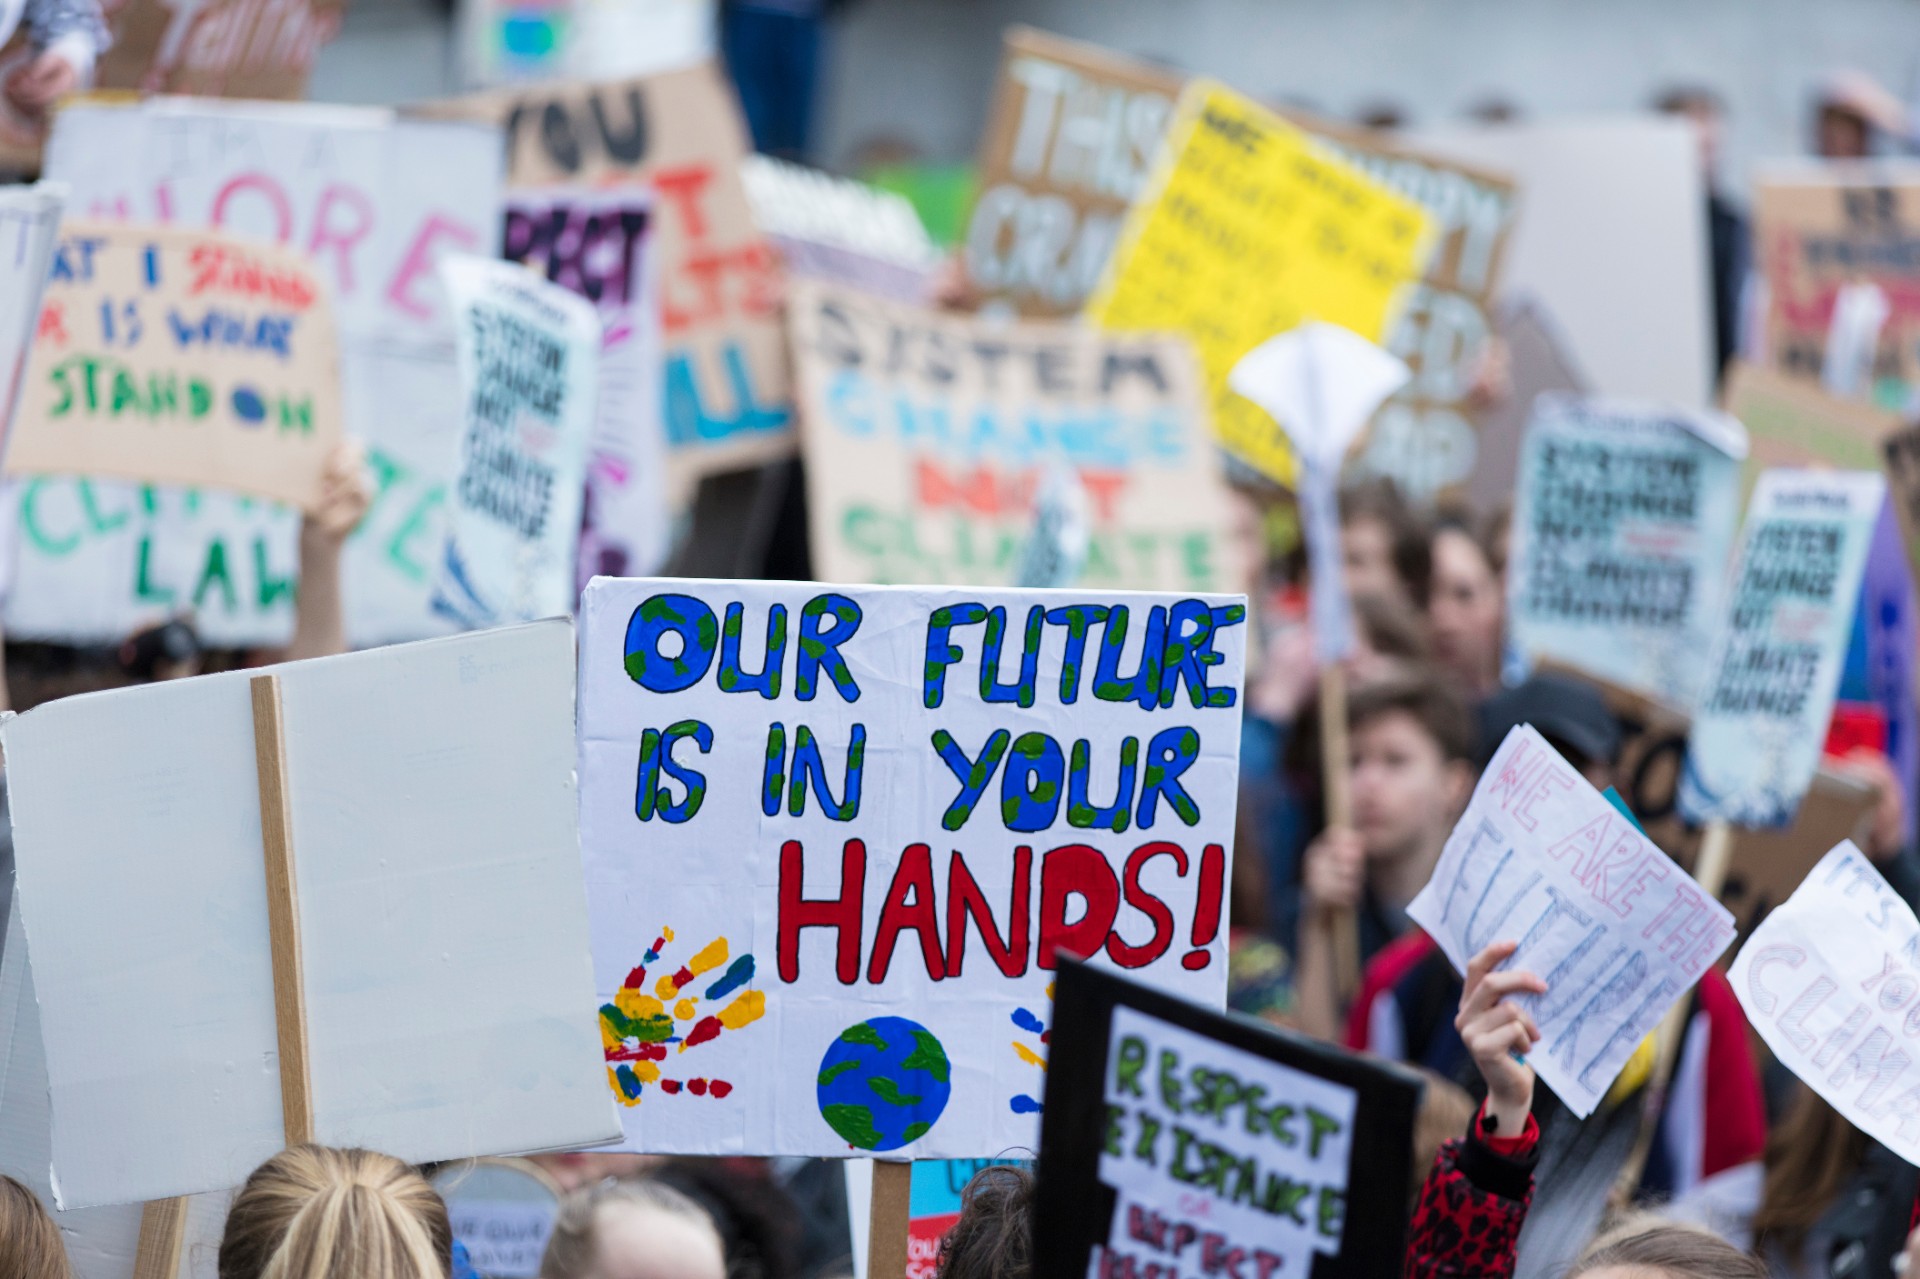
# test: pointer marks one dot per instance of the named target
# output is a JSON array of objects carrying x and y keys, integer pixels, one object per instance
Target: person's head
[
  {"x": 1851, "y": 109},
  {"x": 316, "y": 1212},
  {"x": 1388, "y": 640},
  {"x": 1703, "y": 109},
  {"x": 1411, "y": 746},
  {"x": 28, "y": 1238},
  {"x": 170, "y": 650},
  {"x": 1569, "y": 712},
  {"x": 1383, "y": 545},
  {"x": 1649, "y": 1248},
  {"x": 994, "y": 1237},
  {"x": 641, "y": 1229},
  {"x": 1465, "y": 608}
]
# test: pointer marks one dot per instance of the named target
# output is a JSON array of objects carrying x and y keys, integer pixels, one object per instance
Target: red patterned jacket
[{"x": 1473, "y": 1204}]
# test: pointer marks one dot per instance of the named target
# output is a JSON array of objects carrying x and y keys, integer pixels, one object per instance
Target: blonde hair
[
  {"x": 314, "y": 1212},
  {"x": 28, "y": 1238},
  {"x": 570, "y": 1247},
  {"x": 1644, "y": 1241}
]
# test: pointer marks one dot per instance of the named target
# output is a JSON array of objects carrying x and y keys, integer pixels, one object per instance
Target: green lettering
[
  {"x": 297, "y": 416},
  {"x": 412, "y": 528},
  {"x": 1320, "y": 1127},
  {"x": 65, "y": 402},
  {"x": 1170, "y": 1080},
  {"x": 272, "y": 589},
  {"x": 143, "y": 586},
  {"x": 1110, "y": 1135},
  {"x": 1149, "y": 1134},
  {"x": 216, "y": 571},
  {"x": 1128, "y": 1065},
  {"x": 125, "y": 394},
  {"x": 1333, "y": 1211},
  {"x": 30, "y": 522},
  {"x": 199, "y": 398}
]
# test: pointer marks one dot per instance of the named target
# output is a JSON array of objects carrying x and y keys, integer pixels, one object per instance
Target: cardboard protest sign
[
  {"x": 600, "y": 244},
  {"x": 372, "y": 202},
  {"x": 680, "y": 133},
  {"x": 529, "y": 354},
  {"x": 1424, "y": 439},
  {"x": 29, "y": 223},
  {"x": 97, "y": 560},
  {"x": 184, "y": 357},
  {"x": 929, "y": 439},
  {"x": 1775, "y": 664},
  {"x": 1072, "y": 136},
  {"x": 1617, "y": 931},
  {"x": 259, "y": 49},
  {"x": 1145, "y": 1093},
  {"x": 101, "y": 1243},
  {"x": 1611, "y": 239},
  {"x": 841, "y": 231},
  {"x": 1819, "y": 229},
  {"x": 433, "y": 1032},
  {"x": 835, "y": 837},
  {"x": 1623, "y": 521},
  {"x": 1830, "y": 981},
  {"x": 1246, "y": 228},
  {"x": 1791, "y": 422}
]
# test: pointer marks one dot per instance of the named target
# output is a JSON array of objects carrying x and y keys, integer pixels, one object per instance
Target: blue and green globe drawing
[{"x": 883, "y": 1083}]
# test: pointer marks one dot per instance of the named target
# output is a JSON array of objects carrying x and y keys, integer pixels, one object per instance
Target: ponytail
[{"x": 314, "y": 1212}]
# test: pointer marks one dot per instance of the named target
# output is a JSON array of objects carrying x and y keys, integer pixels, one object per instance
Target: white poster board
[
  {"x": 29, "y": 225},
  {"x": 1616, "y": 929},
  {"x": 1623, "y": 521},
  {"x": 1612, "y": 238},
  {"x": 1775, "y": 666},
  {"x": 827, "y": 886},
  {"x": 529, "y": 356},
  {"x": 441, "y": 915},
  {"x": 1831, "y": 980},
  {"x": 374, "y": 201}
]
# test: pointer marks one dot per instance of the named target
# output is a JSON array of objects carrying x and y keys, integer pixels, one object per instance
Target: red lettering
[
  {"x": 683, "y": 188},
  {"x": 1147, "y": 904},
  {"x": 842, "y": 913},
  {"x": 914, "y": 875},
  {"x": 53, "y": 324},
  {"x": 1076, "y": 870},
  {"x": 965, "y": 899}
]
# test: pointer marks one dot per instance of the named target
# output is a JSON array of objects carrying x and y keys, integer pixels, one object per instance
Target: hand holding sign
[{"x": 1499, "y": 1034}]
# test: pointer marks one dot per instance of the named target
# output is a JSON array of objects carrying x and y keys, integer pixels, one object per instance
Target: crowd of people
[{"x": 1718, "y": 1164}]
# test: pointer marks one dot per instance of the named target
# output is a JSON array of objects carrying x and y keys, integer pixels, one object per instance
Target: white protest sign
[
  {"x": 99, "y": 559},
  {"x": 529, "y": 359},
  {"x": 1614, "y": 927},
  {"x": 373, "y": 201},
  {"x": 839, "y": 230},
  {"x": 442, "y": 920},
  {"x": 29, "y": 226},
  {"x": 1142, "y": 1050},
  {"x": 1775, "y": 666},
  {"x": 835, "y": 837},
  {"x": 101, "y": 1243},
  {"x": 1623, "y": 522},
  {"x": 600, "y": 244},
  {"x": 1321, "y": 382},
  {"x": 1831, "y": 980}
]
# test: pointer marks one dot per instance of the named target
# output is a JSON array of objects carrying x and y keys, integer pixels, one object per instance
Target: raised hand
[{"x": 1499, "y": 1034}]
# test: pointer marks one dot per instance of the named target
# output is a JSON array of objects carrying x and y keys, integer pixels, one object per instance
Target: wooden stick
[
  {"x": 887, "y": 1221},
  {"x": 283, "y": 915},
  {"x": 163, "y": 1229},
  {"x": 1710, "y": 871},
  {"x": 1337, "y": 781}
]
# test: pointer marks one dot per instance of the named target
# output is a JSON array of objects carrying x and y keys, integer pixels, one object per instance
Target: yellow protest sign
[{"x": 1247, "y": 228}]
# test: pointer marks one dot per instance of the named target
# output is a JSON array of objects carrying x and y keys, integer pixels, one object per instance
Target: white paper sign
[
  {"x": 1775, "y": 669},
  {"x": 839, "y": 230},
  {"x": 29, "y": 226},
  {"x": 442, "y": 918},
  {"x": 1622, "y": 526},
  {"x": 1831, "y": 980},
  {"x": 827, "y": 885},
  {"x": 1310, "y": 1152},
  {"x": 529, "y": 358},
  {"x": 374, "y": 201},
  {"x": 504, "y": 1239},
  {"x": 1614, "y": 927},
  {"x": 98, "y": 559}
]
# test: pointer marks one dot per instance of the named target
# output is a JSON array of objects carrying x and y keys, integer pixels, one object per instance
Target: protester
[
  {"x": 1411, "y": 752},
  {"x": 639, "y": 1229},
  {"x": 1853, "y": 116},
  {"x": 1835, "y": 1202},
  {"x": 1383, "y": 546},
  {"x": 994, "y": 1237},
  {"x": 317, "y": 1212},
  {"x": 1727, "y": 239},
  {"x": 1466, "y": 607},
  {"x": 29, "y": 1241},
  {"x": 70, "y": 36},
  {"x": 1477, "y": 1197}
]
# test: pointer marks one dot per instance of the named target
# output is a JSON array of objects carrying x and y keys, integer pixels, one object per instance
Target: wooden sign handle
[
  {"x": 887, "y": 1221},
  {"x": 1337, "y": 781},
  {"x": 283, "y": 915},
  {"x": 163, "y": 1228}
]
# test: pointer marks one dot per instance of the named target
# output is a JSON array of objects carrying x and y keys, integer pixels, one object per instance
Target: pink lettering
[
  {"x": 402, "y": 292},
  {"x": 341, "y": 238}
]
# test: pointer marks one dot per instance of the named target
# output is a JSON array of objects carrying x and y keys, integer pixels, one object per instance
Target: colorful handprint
[
  {"x": 637, "y": 1028},
  {"x": 1021, "y": 1103}
]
